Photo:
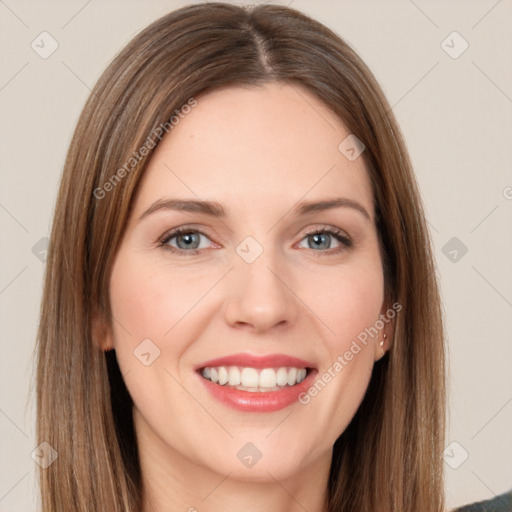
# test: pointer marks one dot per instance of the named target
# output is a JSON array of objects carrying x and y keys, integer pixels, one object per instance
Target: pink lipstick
[{"x": 256, "y": 383}]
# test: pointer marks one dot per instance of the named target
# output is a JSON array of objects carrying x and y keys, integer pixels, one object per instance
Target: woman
[{"x": 196, "y": 350}]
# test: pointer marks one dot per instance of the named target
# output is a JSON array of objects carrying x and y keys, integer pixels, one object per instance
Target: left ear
[{"x": 386, "y": 326}]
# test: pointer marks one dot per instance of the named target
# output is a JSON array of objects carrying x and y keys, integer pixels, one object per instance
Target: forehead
[{"x": 253, "y": 147}]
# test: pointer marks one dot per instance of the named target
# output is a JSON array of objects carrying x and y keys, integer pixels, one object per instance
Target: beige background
[{"x": 456, "y": 117}]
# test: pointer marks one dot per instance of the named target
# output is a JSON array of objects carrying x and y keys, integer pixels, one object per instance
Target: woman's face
[{"x": 260, "y": 289}]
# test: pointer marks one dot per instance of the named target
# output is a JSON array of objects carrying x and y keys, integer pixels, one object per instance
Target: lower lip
[{"x": 248, "y": 401}]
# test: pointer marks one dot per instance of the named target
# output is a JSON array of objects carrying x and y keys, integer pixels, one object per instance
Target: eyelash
[{"x": 336, "y": 233}]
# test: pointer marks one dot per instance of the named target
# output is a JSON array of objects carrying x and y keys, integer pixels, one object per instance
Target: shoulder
[{"x": 501, "y": 503}]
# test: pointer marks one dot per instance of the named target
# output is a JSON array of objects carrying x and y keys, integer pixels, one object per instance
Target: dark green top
[{"x": 501, "y": 503}]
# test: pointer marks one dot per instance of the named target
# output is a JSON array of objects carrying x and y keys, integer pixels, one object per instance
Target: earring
[{"x": 382, "y": 341}]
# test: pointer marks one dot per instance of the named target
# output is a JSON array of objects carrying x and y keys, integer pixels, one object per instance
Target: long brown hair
[{"x": 390, "y": 456}]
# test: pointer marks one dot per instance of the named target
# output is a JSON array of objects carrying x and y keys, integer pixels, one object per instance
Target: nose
[{"x": 260, "y": 296}]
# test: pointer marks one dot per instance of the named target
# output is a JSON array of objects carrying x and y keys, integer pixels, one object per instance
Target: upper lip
[{"x": 257, "y": 361}]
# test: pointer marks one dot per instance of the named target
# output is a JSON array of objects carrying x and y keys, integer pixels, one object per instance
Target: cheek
[
  {"x": 348, "y": 308},
  {"x": 149, "y": 302},
  {"x": 347, "y": 301}
]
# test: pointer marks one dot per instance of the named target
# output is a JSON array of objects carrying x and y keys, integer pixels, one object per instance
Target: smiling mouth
[{"x": 257, "y": 380}]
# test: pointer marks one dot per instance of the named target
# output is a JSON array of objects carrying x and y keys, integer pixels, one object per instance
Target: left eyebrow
[
  {"x": 305, "y": 208},
  {"x": 215, "y": 209}
]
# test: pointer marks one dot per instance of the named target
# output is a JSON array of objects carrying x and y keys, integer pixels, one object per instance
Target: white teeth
[
  {"x": 223, "y": 375},
  {"x": 267, "y": 378},
  {"x": 234, "y": 376},
  {"x": 292, "y": 376},
  {"x": 253, "y": 379},
  {"x": 282, "y": 377},
  {"x": 249, "y": 378}
]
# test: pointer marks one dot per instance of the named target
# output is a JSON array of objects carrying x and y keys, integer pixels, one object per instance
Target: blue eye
[
  {"x": 320, "y": 238},
  {"x": 188, "y": 241}
]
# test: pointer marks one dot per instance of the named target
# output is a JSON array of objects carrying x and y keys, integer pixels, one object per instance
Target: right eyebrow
[{"x": 211, "y": 208}]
